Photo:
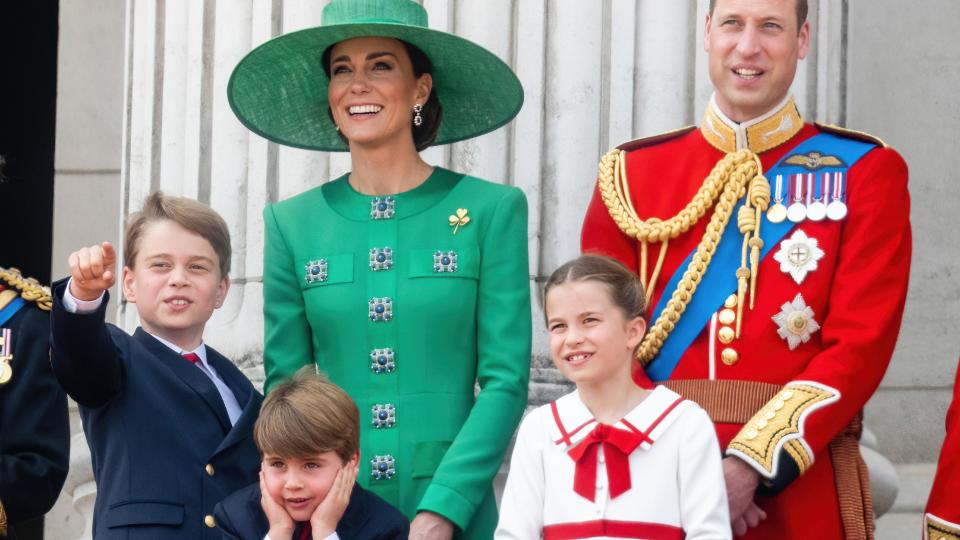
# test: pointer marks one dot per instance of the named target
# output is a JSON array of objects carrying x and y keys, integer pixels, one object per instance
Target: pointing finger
[{"x": 109, "y": 254}]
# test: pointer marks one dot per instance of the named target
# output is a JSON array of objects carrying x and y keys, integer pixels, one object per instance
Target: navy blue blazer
[
  {"x": 367, "y": 517},
  {"x": 34, "y": 429},
  {"x": 162, "y": 447}
]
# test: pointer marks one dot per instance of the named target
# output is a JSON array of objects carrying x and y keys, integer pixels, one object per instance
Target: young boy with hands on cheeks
[
  {"x": 309, "y": 435},
  {"x": 168, "y": 419}
]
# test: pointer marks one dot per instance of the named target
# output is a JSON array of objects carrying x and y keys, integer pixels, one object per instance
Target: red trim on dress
[
  {"x": 646, "y": 433},
  {"x": 564, "y": 436},
  {"x": 615, "y": 529}
]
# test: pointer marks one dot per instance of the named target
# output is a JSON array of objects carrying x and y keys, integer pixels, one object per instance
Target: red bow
[{"x": 617, "y": 447}]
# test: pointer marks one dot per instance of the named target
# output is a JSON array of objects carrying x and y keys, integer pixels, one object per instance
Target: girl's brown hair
[
  {"x": 306, "y": 416},
  {"x": 624, "y": 286}
]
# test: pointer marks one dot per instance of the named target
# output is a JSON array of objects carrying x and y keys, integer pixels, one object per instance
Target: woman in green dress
[{"x": 406, "y": 283}]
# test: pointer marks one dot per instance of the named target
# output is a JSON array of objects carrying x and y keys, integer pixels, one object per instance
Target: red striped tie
[
  {"x": 192, "y": 357},
  {"x": 306, "y": 533}
]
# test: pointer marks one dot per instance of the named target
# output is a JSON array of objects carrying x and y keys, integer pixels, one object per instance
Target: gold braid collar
[
  {"x": 30, "y": 289},
  {"x": 733, "y": 176}
]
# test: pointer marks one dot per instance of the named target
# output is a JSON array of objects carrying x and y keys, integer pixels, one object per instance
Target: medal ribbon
[
  {"x": 6, "y": 334},
  {"x": 617, "y": 445},
  {"x": 778, "y": 192},
  {"x": 837, "y": 194},
  {"x": 719, "y": 281},
  {"x": 798, "y": 195}
]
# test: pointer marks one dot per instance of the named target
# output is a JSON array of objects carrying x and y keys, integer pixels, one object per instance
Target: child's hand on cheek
[
  {"x": 281, "y": 524},
  {"x": 328, "y": 513}
]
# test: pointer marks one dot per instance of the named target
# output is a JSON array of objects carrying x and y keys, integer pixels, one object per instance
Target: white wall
[{"x": 903, "y": 74}]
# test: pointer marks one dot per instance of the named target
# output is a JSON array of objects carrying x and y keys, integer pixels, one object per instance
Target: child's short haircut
[
  {"x": 626, "y": 291},
  {"x": 308, "y": 415},
  {"x": 193, "y": 216}
]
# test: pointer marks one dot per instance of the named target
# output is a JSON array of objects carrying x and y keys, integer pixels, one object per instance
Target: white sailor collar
[
  {"x": 760, "y": 134},
  {"x": 573, "y": 421}
]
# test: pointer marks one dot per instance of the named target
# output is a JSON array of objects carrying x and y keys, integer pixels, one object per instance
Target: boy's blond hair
[
  {"x": 193, "y": 216},
  {"x": 306, "y": 416}
]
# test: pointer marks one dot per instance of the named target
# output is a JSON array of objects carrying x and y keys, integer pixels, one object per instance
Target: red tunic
[
  {"x": 942, "y": 519},
  {"x": 857, "y": 294}
]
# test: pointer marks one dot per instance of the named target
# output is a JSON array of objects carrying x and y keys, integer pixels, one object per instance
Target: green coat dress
[{"x": 407, "y": 313}]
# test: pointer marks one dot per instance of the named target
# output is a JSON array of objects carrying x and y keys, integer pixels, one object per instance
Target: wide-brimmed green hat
[{"x": 279, "y": 90}]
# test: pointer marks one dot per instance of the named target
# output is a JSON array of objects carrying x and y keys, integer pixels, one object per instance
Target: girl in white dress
[{"x": 610, "y": 459}]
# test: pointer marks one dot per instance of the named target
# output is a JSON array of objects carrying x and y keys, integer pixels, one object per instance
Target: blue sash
[
  {"x": 11, "y": 309},
  {"x": 720, "y": 279}
]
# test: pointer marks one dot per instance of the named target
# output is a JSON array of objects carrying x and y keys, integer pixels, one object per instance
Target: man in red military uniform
[
  {"x": 942, "y": 517},
  {"x": 776, "y": 255}
]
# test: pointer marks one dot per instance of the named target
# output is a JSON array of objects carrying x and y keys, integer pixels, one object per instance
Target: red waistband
[{"x": 616, "y": 529}]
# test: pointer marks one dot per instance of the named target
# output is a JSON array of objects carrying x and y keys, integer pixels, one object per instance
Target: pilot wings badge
[{"x": 814, "y": 161}]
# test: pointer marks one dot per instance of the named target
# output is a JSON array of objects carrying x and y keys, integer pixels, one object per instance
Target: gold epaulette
[
  {"x": 851, "y": 133},
  {"x": 30, "y": 289},
  {"x": 940, "y": 529},
  {"x": 655, "y": 139}
]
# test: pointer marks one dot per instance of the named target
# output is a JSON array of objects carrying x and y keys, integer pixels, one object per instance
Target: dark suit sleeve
[
  {"x": 84, "y": 356},
  {"x": 398, "y": 530},
  {"x": 225, "y": 523},
  {"x": 34, "y": 429}
]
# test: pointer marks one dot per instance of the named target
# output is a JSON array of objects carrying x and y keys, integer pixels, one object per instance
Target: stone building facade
[{"x": 142, "y": 106}]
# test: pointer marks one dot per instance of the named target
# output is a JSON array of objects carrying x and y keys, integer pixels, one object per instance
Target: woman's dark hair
[
  {"x": 432, "y": 113},
  {"x": 626, "y": 292}
]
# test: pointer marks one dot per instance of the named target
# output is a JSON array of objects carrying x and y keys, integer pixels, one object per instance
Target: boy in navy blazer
[
  {"x": 168, "y": 420},
  {"x": 309, "y": 435}
]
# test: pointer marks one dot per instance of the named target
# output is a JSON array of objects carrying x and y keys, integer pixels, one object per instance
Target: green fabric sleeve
[
  {"x": 467, "y": 470},
  {"x": 287, "y": 344}
]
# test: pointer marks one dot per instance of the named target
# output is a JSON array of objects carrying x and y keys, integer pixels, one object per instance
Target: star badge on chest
[
  {"x": 795, "y": 322},
  {"x": 798, "y": 255}
]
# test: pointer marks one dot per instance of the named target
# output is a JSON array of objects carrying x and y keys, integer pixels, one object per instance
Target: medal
[
  {"x": 798, "y": 255},
  {"x": 797, "y": 210},
  {"x": 6, "y": 372},
  {"x": 778, "y": 212},
  {"x": 795, "y": 322},
  {"x": 817, "y": 209},
  {"x": 837, "y": 209}
]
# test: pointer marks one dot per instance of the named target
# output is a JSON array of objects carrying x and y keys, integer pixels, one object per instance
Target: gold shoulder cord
[
  {"x": 30, "y": 289},
  {"x": 3, "y": 521},
  {"x": 733, "y": 176}
]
